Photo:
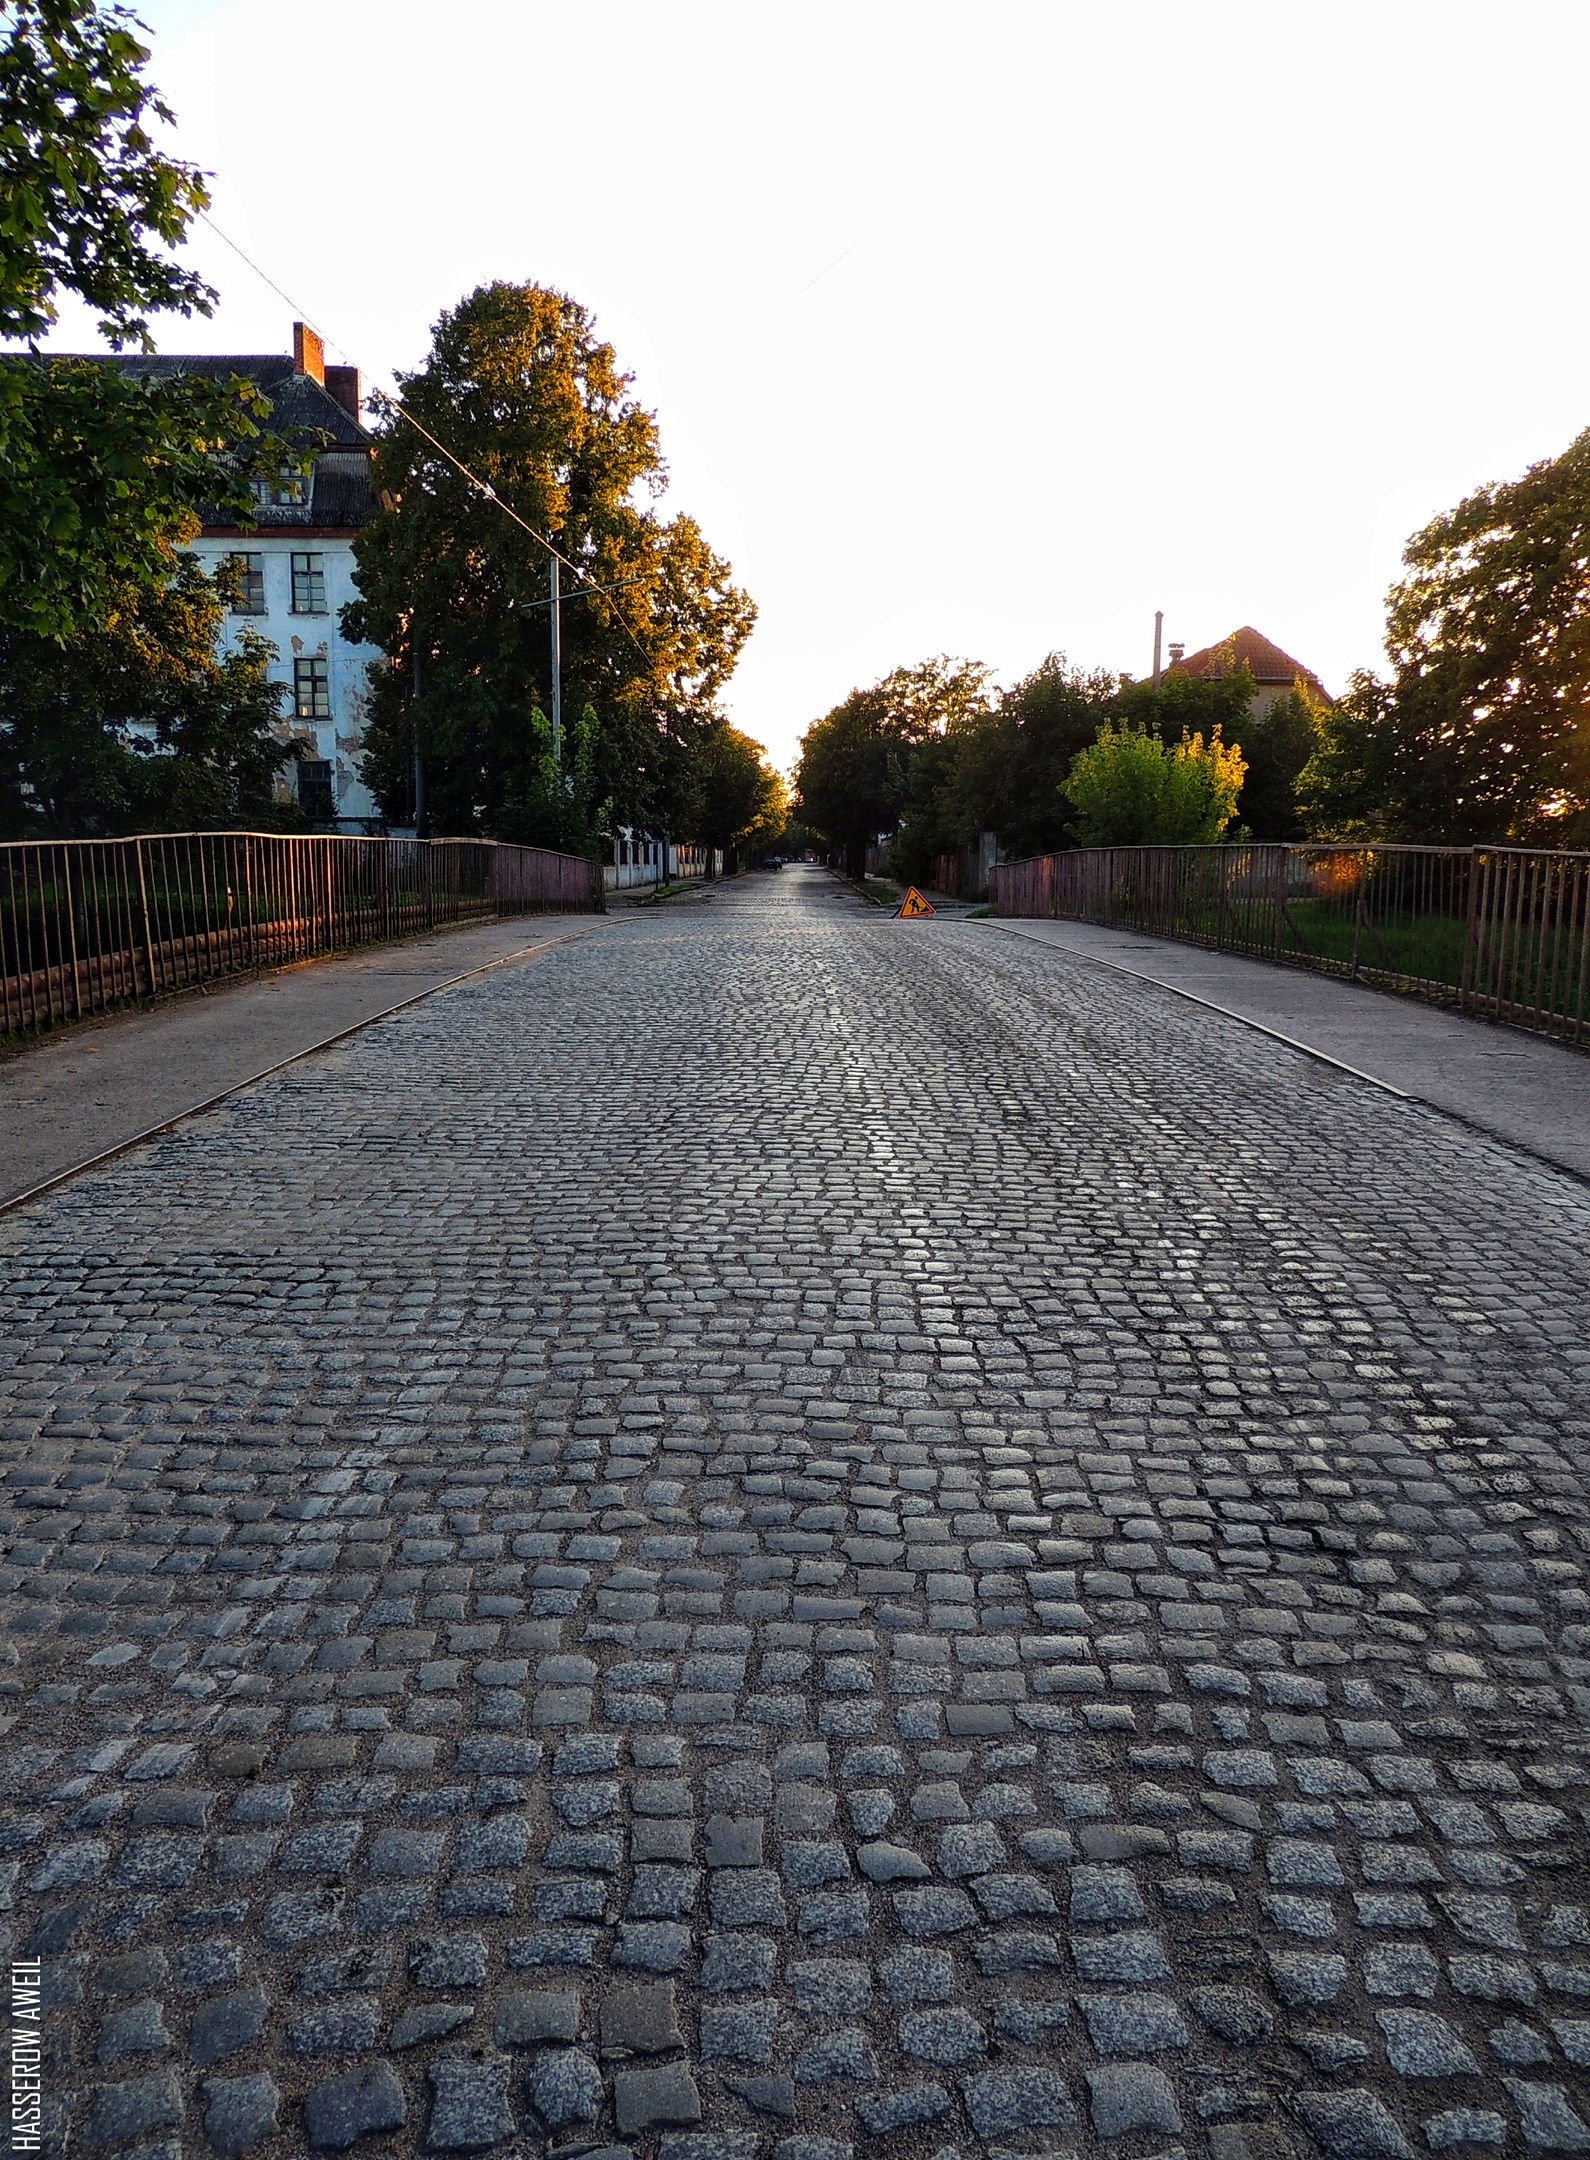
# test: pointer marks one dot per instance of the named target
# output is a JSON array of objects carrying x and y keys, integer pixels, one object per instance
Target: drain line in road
[
  {"x": 1322, "y": 1057},
  {"x": 180, "y": 1117}
]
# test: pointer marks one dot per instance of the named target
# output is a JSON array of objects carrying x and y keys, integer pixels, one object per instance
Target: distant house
[
  {"x": 295, "y": 563},
  {"x": 1275, "y": 673}
]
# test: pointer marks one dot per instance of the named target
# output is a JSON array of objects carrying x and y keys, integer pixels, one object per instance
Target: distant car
[{"x": 774, "y": 862}]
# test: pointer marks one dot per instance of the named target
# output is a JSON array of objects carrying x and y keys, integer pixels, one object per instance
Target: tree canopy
[
  {"x": 855, "y": 774},
  {"x": 520, "y": 388},
  {"x": 1130, "y": 789},
  {"x": 739, "y": 801},
  {"x": 104, "y": 472},
  {"x": 206, "y": 750},
  {"x": 89, "y": 204},
  {"x": 1482, "y": 732}
]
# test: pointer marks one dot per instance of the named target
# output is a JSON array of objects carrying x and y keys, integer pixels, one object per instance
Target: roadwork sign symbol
[{"x": 914, "y": 904}]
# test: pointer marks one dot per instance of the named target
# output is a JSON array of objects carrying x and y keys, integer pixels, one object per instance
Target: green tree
[
  {"x": 854, "y": 778},
  {"x": 1278, "y": 742},
  {"x": 86, "y": 191},
  {"x": 1482, "y": 732},
  {"x": 206, "y": 748},
  {"x": 1009, "y": 766},
  {"x": 1132, "y": 790},
  {"x": 100, "y": 472},
  {"x": 739, "y": 801},
  {"x": 519, "y": 386},
  {"x": 103, "y": 472},
  {"x": 558, "y": 805}
]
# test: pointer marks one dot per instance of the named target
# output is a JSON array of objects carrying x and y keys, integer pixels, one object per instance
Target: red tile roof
[{"x": 1246, "y": 648}]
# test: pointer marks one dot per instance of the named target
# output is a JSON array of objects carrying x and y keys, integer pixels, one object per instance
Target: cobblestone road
[{"x": 782, "y": 1533}]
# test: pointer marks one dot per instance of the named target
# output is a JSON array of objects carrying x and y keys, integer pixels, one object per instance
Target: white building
[{"x": 296, "y": 563}]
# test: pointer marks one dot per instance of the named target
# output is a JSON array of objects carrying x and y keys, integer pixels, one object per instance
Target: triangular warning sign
[{"x": 914, "y": 904}]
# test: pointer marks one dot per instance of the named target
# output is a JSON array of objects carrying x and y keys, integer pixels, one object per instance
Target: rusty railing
[
  {"x": 1499, "y": 931},
  {"x": 89, "y": 924}
]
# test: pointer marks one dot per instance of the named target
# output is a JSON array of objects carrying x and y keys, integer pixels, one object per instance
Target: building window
[
  {"x": 314, "y": 787},
  {"x": 312, "y": 689},
  {"x": 309, "y": 584},
  {"x": 248, "y": 587},
  {"x": 289, "y": 488}
]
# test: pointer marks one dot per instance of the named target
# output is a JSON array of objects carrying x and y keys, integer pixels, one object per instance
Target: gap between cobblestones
[{"x": 853, "y": 1555}]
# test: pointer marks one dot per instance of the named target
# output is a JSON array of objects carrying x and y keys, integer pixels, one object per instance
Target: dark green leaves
[
  {"x": 83, "y": 190},
  {"x": 521, "y": 389}
]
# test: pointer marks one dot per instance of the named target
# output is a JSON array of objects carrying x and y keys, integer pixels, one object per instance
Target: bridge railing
[
  {"x": 1499, "y": 931},
  {"x": 90, "y": 924}
]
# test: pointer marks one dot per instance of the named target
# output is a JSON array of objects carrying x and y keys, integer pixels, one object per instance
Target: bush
[{"x": 1131, "y": 790}]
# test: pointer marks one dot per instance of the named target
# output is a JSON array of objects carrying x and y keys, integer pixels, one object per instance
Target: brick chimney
[
  {"x": 343, "y": 383},
  {"x": 309, "y": 354}
]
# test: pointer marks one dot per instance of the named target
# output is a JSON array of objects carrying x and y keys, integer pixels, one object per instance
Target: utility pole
[
  {"x": 1159, "y": 627},
  {"x": 556, "y": 612},
  {"x": 421, "y": 816}
]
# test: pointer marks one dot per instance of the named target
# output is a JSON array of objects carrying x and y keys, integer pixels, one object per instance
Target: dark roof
[
  {"x": 298, "y": 402},
  {"x": 1246, "y": 648},
  {"x": 305, "y": 413}
]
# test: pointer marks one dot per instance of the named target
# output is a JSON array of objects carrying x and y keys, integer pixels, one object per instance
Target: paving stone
[
  {"x": 227, "y": 2023},
  {"x": 830, "y": 1987},
  {"x": 132, "y": 2107},
  {"x": 564, "y": 2086},
  {"x": 881, "y": 2114},
  {"x": 1546, "y": 2117},
  {"x": 1352, "y": 2125},
  {"x": 945, "y": 2037},
  {"x": 1125, "y": 2097},
  {"x": 1464, "y": 2126},
  {"x": 1420, "y": 2044},
  {"x": 1142, "y": 2023},
  {"x": 357, "y": 2104},
  {"x": 424, "y": 2022},
  {"x": 137, "y": 2030},
  {"x": 934, "y": 1912},
  {"x": 645, "y": 2099},
  {"x": 639, "y": 2021},
  {"x": 241, "y": 2112},
  {"x": 448, "y": 1961},
  {"x": 731, "y": 1962},
  {"x": 1003, "y": 2100},
  {"x": 469, "y": 2104}
]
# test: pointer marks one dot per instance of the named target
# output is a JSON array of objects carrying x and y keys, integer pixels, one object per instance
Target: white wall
[
  {"x": 682, "y": 863},
  {"x": 308, "y": 637}
]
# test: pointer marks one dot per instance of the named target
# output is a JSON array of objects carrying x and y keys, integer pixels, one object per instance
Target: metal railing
[
  {"x": 89, "y": 924},
  {"x": 1499, "y": 931}
]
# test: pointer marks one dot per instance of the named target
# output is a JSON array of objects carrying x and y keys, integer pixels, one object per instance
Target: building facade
[{"x": 294, "y": 564}]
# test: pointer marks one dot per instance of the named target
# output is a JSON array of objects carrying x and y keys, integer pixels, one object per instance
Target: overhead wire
[{"x": 483, "y": 488}]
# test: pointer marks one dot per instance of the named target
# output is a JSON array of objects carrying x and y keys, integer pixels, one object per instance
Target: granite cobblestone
[{"x": 798, "y": 1537}]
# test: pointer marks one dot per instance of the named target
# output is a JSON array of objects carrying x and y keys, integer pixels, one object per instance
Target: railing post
[
  {"x": 143, "y": 902},
  {"x": 1471, "y": 939}
]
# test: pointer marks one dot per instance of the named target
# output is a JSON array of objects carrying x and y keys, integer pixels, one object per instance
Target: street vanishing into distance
[{"x": 782, "y": 1535}]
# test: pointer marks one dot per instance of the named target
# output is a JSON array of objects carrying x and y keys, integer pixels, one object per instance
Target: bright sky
[{"x": 985, "y": 329}]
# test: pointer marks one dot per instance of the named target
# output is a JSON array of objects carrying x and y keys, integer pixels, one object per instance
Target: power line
[{"x": 483, "y": 488}]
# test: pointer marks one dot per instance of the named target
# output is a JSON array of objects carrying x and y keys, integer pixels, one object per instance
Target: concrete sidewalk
[
  {"x": 97, "y": 1085},
  {"x": 1519, "y": 1087}
]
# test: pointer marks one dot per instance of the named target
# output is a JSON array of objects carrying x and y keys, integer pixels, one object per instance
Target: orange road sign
[{"x": 914, "y": 904}]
